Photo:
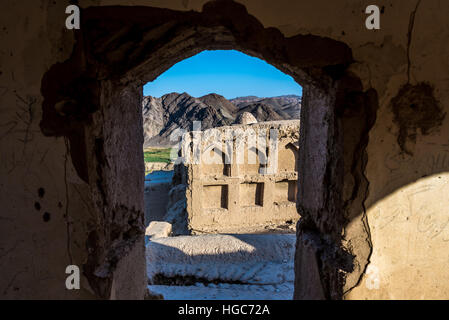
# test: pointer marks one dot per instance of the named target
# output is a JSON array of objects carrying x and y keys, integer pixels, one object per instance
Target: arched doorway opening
[{"x": 97, "y": 105}]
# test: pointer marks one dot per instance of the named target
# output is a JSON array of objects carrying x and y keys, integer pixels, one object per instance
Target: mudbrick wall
[
  {"x": 374, "y": 160},
  {"x": 237, "y": 179}
]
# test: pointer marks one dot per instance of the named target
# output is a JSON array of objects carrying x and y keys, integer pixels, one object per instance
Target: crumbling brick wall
[{"x": 241, "y": 178}]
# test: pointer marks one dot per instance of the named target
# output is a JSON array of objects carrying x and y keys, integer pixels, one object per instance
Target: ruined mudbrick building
[{"x": 240, "y": 178}]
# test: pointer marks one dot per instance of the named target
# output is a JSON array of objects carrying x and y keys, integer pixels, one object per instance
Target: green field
[{"x": 157, "y": 155}]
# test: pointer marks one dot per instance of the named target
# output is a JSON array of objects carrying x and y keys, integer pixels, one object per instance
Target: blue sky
[{"x": 229, "y": 73}]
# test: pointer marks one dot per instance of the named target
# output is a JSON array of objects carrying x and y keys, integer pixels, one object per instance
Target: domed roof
[{"x": 245, "y": 118}]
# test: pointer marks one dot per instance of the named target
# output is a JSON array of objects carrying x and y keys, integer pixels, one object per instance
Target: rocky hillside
[
  {"x": 289, "y": 107},
  {"x": 164, "y": 115}
]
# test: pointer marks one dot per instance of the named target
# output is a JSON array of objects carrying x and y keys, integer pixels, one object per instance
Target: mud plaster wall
[
  {"x": 398, "y": 175},
  {"x": 255, "y": 192}
]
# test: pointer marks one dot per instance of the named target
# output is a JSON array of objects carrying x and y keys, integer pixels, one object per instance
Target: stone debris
[
  {"x": 250, "y": 266},
  {"x": 158, "y": 229}
]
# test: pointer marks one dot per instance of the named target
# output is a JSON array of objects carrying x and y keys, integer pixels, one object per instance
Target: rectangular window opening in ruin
[
  {"x": 251, "y": 194},
  {"x": 292, "y": 190},
  {"x": 227, "y": 170},
  {"x": 215, "y": 196},
  {"x": 285, "y": 191}
]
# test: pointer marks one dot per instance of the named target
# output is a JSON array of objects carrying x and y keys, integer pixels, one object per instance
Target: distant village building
[{"x": 236, "y": 179}]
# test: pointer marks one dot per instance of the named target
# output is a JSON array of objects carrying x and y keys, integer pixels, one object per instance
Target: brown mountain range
[{"x": 178, "y": 110}]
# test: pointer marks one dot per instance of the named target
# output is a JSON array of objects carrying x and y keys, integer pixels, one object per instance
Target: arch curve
[{"x": 93, "y": 99}]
